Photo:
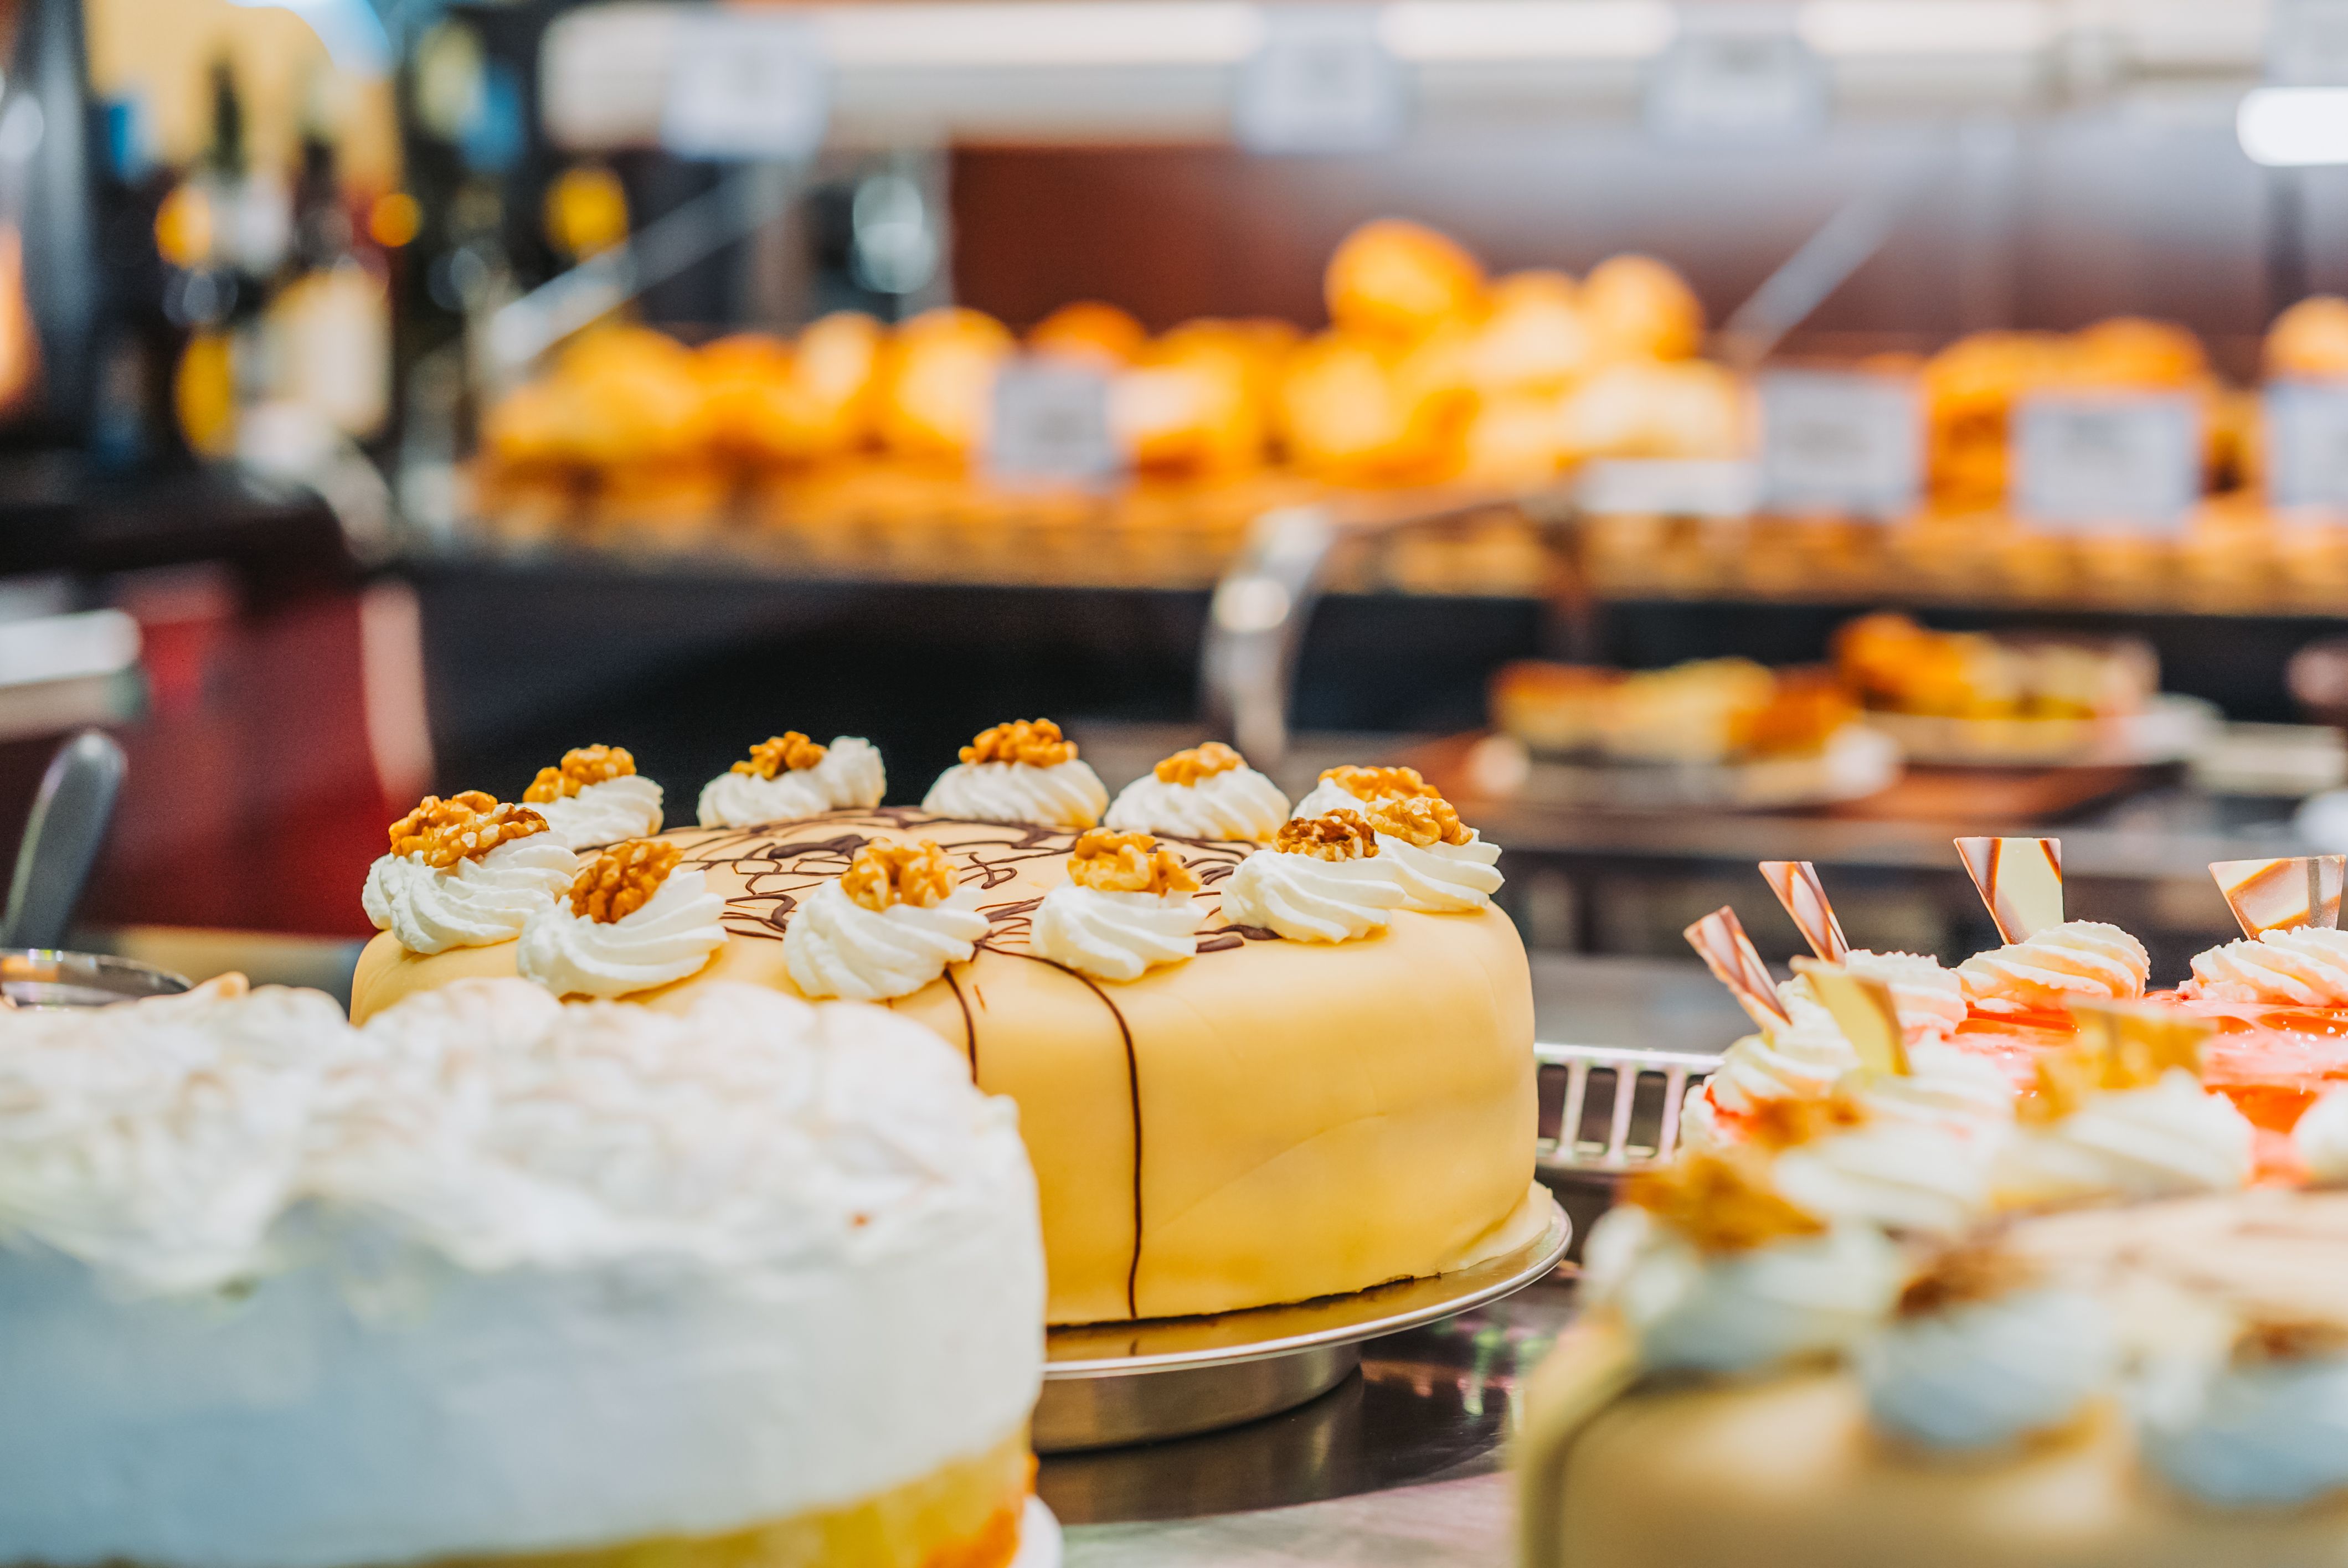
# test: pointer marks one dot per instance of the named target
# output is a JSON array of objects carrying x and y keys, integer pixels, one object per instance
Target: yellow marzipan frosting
[{"x": 1314, "y": 1119}]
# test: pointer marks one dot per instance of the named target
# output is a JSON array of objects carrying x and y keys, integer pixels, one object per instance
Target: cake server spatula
[{"x": 62, "y": 839}]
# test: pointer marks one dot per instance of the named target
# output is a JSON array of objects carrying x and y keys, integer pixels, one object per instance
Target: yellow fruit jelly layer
[{"x": 965, "y": 1515}]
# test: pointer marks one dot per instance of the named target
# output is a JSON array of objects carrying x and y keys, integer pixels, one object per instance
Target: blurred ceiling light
[
  {"x": 1527, "y": 29},
  {"x": 350, "y": 30},
  {"x": 2292, "y": 127}
]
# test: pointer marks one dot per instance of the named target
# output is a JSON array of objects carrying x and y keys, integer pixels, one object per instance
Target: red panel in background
[{"x": 254, "y": 800}]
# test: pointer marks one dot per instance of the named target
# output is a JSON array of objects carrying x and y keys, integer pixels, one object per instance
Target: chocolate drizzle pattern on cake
[{"x": 783, "y": 862}]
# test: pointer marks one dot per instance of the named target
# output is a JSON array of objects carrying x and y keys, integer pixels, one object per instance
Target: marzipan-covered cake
[
  {"x": 499, "y": 1278},
  {"x": 1259, "y": 1055}
]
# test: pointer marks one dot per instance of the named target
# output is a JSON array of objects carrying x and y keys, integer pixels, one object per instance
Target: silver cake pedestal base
[{"x": 1106, "y": 1385}]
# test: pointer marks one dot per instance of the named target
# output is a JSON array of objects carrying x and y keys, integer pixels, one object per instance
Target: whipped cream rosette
[
  {"x": 634, "y": 922},
  {"x": 1711, "y": 1267},
  {"x": 790, "y": 778},
  {"x": 2264, "y": 1424},
  {"x": 595, "y": 797},
  {"x": 1025, "y": 771},
  {"x": 1354, "y": 788},
  {"x": 1444, "y": 865},
  {"x": 2306, "y": 966},
  {"x": 1322, "y": 880},
  {"x": 2076, "y": 960},
  {"x": 465, "y": 872},
  {"x": 1208, "y": 792},
  {"x": 496, "y": 1277},
  {"x": 1986, "y": 1349},
  {"x": 1127, "y": 908},
  {"x": 887, "y": 928}
]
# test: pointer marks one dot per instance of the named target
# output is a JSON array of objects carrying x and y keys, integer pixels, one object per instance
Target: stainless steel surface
[
  {"x": 1119, "y": 1383},
  {"x": 62, "y": 839},
  {"x": 1398, "y": 1464},
  {"x": 44, "y": 978}
]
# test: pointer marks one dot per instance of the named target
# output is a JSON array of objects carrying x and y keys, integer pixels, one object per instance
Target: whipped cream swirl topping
[
  {"x": 790, "y": 778},
  {"x": 634, "y": 922},
  {"x": 2266, "y": 1425},
  {"x": 1209, "y": 792},
  {"x": 1982, "y": 1354},
  {"x": 465, "y": 872},
  {"x": 1801, "y": 1059},
  {"x": 1443, "y": 866},
  {"x": 1894, "y": 1176},
  {"x": 2321, "y": 1139},
  {"x": 2168, "y": 1138},
  {"x": 1736, "y": 1311},
  {"x": 2306, "y": 967},
  {"x": 1323, "y": 880},
  {"x": 1945, "y": 1086},
  {"x": 1357, "y": 788},
  {"x": 1127, "y": 908},
  {"x": 594, "y": 797},
  {"x": 1022, "y": 772},
  {"x": 2078, "y": 958},
  {"x": 886, "y": 928},
  {"x": 1929, "y": 998}
]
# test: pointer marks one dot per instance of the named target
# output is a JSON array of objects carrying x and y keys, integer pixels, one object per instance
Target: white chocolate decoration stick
[
  {"x": 1862, "y": 1008},
  {"x": 1796, "y": 883},
  {"x": 2281, "y": 895},
  {"x": 2021, "y": 880},
  {"x": 1719, "y": 939},
  {"x": 2139, "y": 1041}
]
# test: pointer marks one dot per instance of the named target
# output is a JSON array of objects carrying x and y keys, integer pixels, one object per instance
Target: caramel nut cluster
[
  {"x": 1380, "y": 783},
  {"x": 1790, "y": 1121},
  {"x": 789, "y": 752},
  {"x": 1421, "y": 820},
  {"x": 883, "y": 873},
  {"x": 462, "y": 827},
  {"x": 2269, "y": 1338},
  {"x": 1109, "y": 862},
  {"x": 582, "y": 766},
  {"x": 1198, "y": 762},
  {"x": 1965, "y": 1275},
  {"x": 1334, "y": 836},
  {"x": 1036, "y": 742},
  {"x": 1720, "y": 1203},
  {"x": 623, "y": 879}
]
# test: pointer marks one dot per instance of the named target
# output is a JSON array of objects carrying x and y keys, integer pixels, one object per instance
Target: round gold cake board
[{"x": 1110, "y": 1384}]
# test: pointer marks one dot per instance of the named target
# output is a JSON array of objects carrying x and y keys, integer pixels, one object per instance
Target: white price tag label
[
  {"x": 2307, "y": 448},
  {"x": 746, "y": 85},
  {"x": 1049, "y": 422},
  {"x": 1321, "y": 81},
  {"x": 2307, "y": 43},
  {"x": 1838, "y": 441},
  {"x": 1728, "y": 81},
  {"x": 2116, "y": 462}
]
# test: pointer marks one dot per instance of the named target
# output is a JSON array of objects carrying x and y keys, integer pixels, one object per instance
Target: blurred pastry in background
[
  {"x": 1894, "y": 665},
  {"x": 1398, "y": 280},
  {"x": 1639, "y": 308},
  {"x": 1706, "y": 711},
  {"x": 1348, "y": 414},
  {"x": 1189, "y": 403},
  {"x": 936, "y": 382},
  {"x": 1649, "y": 408},
  {"x": 2309, "y": 341},
  {"x": 1089, "y": 330}
]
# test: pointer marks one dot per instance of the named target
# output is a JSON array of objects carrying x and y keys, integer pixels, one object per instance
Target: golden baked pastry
[
  {"x": 1714, "y": 711},
  {"x": 1348, "y": 414},
  {"x": 2309, "y": 341},
  {"x": 1090, "y": 329},
  {"x": 1639, "y": 308},
  {"x": 1397, "y": 279},
  {"x": 1268, "y": 1121},
  {"x": 935, "y": 383}
]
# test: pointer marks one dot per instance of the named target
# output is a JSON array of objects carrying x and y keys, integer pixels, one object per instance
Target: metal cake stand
[{"x": 1110, "y": 1384}]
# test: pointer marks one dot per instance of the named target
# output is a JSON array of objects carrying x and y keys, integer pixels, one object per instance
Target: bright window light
[{"x": 2290, "y": 127}]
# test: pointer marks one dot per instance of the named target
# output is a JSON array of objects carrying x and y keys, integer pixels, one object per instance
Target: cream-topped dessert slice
[
  {"x": 1024, "y": 770},
  {"x": 1126, "y": 910},
  {"x": 1206, "y": 791},
  {"x": 466, "y": 872},
  {"x": 788, "y": 778},
  {"x": 595, "y": 797},
  {"x": 634, "y": 922}
]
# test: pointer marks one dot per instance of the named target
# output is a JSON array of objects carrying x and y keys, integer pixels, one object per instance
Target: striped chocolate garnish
[
  {"x": 2021, "y": 880},
  {"x": 1796, "y": 884},
  {"x": 2281, "y": 895},
  {"x": 1719, "y": 939}
]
